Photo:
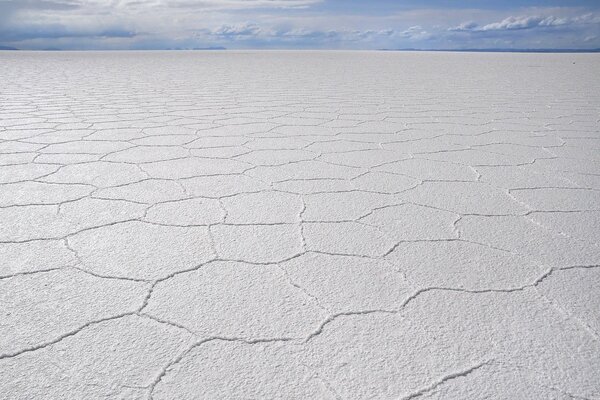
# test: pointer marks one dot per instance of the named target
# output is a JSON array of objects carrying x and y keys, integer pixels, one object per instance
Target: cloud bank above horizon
[{"x": 301, "y": 24}]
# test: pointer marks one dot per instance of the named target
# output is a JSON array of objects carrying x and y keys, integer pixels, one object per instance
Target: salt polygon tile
[
  {"x": 11, "y": 146},
  {"x": 382, "y": 355},
  {"x": 576, "y": 292},
  {"x": 384, "y": 182},
  {"x": 430, "y": 170},
  {"x": 579, "y": 225},
  {"x": 312, "y": 186},
  {"x": 218, "y": 186},
  {"x": 362, "y": 158},
  {"x": 343, "y": 206},
  {"x": 463, "y": 265},
  {"x": 491, "y": 380},
  {"x": 522, "y": 236},
  {"x": 367, "y": 284},
  {"x": 464, "y": 198},
  {"x": 171, "y": 130},
  {"x": 413, "y": 222},
  {"x": 147, "y": 154},
  {"x": 569, "y": 165},
  {"x": 116, "y": 358},
  {"x": 338, "y": 146},
  {"x": 558, "y": 199},
  {"x": 187, "y": 212},
  {"x": 479, "y": 157},
  {"x": 266, "y": 207},
  {"x": 34, "y": 193},
  {"x": 216, "y": 142},
  {"x": 85, "y": 147},
  {"x": 277, "y": 143},
  {"x": 99, "y": 174},
  {"x": 115, "y": 134},
  {"x": 350, "y": 238},
  {"x": 17, "y": 158},
  {"x": 257, "y": 243},
  {"x": 514, "y": 177},
  {"x": 276, "y": 157},
  {"x": 236, "y": 300},
  {"x": 238, "y": 130},
  {"x": 67, "y": 158},
  {"x": 304, "y": 170},
  {"x": 220, "y": 369},
  {"x": 164, "y": 140},
  {"x": 42, "y": 307},
  {"x": 425, "y": 145},
  {"x": 531, "y": 152},
  {"x": 149, "y": 191},
  {"x": 34, "y": 256},
  {"x": 219, "y": 152},
  {"x": 137, "y": 250},
  {"x": 25, "y": 172},
  {"x": 50, "y": 221},
  {"x": 191, "y": 167}
]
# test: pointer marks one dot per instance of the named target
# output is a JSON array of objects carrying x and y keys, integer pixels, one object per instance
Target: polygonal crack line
[
  {"x": 464, "y": 214},
  {"x": 552, "y": 230},
  {"x": 300, "y": 288},
  {"x": 48, "y": 203},
  {"x": 332, "y": 253},
  {"x": 162, "y": 373},
  {"x": 566, "y": 393},
  {"x": 154, "y": 283},
  {"x": 40, "y": 271},
  {"x": 66, "y": 237},
  {"x": 301, "y": 223},
  {"x": 479, "y": 176},
  {"x": 375, "y": 209},
  {"x": 166, "y": 278},
  {"x": 84, "y": 326},
  {"x": 564, "y": 313},
  {"x": 446, "y": 378},
  {"x": 552, "y": 187},
  {"x": 64, "y": 336},
  {"x": 455, "y": 228},
  {"x": 568, "y": 316},
  {"x": 120, "y": 185},
  {"x": 31, "y": 179},
  {"x": 327, "y": 383},
  {"x": 419, "y": 292},
  {"x": 397, "y": 244}
]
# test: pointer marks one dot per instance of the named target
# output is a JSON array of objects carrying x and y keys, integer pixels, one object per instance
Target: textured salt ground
[{"x": 309, "y": 225}]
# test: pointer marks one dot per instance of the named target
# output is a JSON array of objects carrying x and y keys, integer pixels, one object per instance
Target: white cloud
[
  {"x": 513, "y": 23},
  {"x": 415, "y": 32},
  {"x": 246, "y": 29},
  {"x": 465, "y": 26}
]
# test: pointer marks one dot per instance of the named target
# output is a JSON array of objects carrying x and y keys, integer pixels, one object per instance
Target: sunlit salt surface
[{"x": 299, "y": 225}]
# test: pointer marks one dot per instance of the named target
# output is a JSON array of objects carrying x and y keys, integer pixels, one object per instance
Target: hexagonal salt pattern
[{"x": 259, "y": 225}]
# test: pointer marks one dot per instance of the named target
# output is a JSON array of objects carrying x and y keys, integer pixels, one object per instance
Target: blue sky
[{"x": 299, "y": 24}]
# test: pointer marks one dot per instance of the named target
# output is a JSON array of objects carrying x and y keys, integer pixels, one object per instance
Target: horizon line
[{"x": 219, "y": 48}]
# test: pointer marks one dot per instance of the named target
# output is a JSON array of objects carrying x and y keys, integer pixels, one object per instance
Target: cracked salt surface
[{"x": 260, "y": 225}]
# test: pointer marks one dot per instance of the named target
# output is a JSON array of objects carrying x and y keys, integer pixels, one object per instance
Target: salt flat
[{"x": 299, "y": 225}]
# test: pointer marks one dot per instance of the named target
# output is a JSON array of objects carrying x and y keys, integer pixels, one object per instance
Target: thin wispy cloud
[{"x": 350, "y": 24}]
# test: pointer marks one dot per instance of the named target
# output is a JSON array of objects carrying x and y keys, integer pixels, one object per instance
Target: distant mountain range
[
  {"x": 57, "y": 49},
  {"x": 504, "y": 50},
  {"x": 409, "y": 49},
  {"x": 210, "y": 48}
]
